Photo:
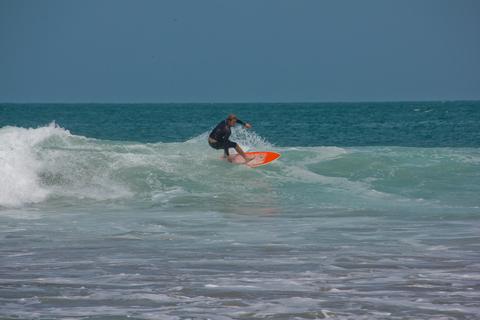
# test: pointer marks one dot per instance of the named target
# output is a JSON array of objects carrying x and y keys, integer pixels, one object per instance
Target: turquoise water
[
  {"x": 123, "y": 211},
  {"x": 420, "y": 124}
]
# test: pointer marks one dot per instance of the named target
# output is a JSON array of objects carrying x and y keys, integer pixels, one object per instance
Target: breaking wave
[{"x": 49, "y": 165}]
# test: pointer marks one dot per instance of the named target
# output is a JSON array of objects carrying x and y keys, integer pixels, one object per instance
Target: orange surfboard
[{"x": 261, "y": 158}]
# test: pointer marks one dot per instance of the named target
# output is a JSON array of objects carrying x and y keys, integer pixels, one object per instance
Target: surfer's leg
[
  {"x": 226, "y": 155},
  {"x": 242, "y": 153},
  {"x": 218, "y": 145}
]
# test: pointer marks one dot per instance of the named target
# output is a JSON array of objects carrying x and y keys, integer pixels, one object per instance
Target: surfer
[{"x": 218, "y": 138}]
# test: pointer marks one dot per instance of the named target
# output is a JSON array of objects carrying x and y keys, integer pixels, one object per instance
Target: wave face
[{"x": 52, "y": 166}]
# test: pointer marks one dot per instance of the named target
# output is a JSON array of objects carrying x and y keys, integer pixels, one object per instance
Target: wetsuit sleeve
[{"x": 240, "y": 122}]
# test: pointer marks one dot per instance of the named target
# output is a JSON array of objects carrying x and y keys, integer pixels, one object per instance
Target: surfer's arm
[{"x": 245, "y": 124}]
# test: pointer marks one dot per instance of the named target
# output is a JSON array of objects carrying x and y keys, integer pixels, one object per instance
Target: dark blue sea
[{"x": 116, "y": 211}]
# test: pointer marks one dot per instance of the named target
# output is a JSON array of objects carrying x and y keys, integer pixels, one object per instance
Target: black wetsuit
[{"x": 220, "y": 135}]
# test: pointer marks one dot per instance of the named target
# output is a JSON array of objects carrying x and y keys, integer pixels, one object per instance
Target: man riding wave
[{"x": 219, "y": 137}]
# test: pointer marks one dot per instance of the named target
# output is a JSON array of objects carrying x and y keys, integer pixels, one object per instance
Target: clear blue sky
[{"x": 239, "y": 51}]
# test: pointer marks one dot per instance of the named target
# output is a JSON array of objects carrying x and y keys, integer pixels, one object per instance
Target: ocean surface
[{"x": 111, "y": 211}]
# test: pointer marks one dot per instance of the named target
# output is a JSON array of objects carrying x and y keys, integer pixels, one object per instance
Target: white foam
[{"x": 19, "y": 166}]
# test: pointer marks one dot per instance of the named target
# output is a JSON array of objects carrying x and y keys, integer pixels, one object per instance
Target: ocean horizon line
[{"x": 236, "y": 102}]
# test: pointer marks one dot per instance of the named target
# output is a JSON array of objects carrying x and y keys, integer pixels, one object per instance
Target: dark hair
[{"x": 231, "y": 117}]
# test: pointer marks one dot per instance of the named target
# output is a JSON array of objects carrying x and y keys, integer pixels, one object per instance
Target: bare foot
[{"x": 248, "y": 159}]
